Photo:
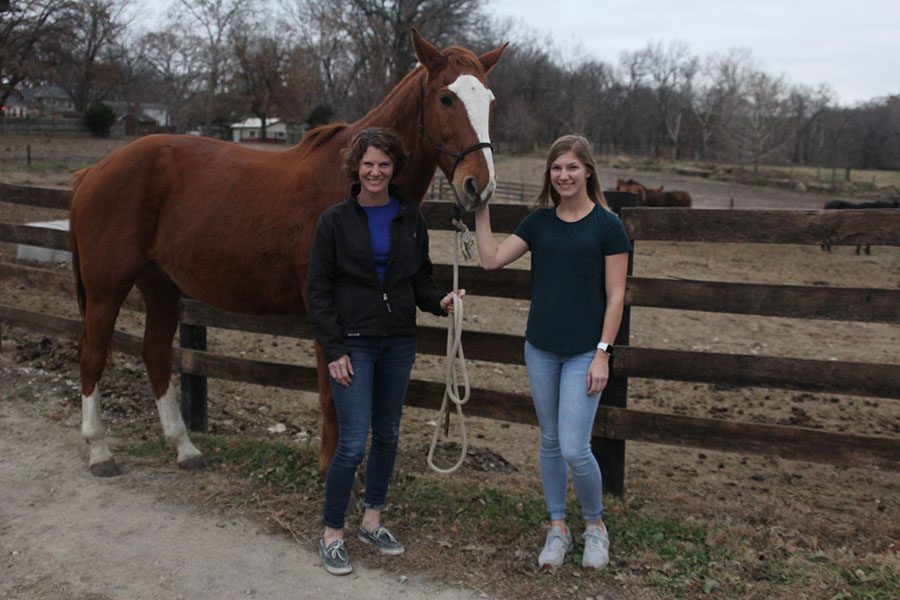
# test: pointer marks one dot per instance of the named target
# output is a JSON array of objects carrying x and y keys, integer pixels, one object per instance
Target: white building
[{"x": 250, "y": 130}]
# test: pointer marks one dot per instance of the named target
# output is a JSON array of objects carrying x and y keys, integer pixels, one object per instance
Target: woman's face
[
  {"x": 375, "y": 171},
  {"x": 568, "y": 175}
]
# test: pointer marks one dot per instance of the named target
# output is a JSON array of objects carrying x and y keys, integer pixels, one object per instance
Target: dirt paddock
[{"x": 796, "y": 506}]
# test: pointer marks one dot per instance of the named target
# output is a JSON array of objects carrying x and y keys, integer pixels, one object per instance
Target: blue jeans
[
  {"x": 565, "y": 414},
  {"x": 381, "y": 367}
]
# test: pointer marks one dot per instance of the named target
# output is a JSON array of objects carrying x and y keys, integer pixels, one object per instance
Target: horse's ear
[
  {"x": 428, "y": 55},
  {"x": 490, "y": 58}
]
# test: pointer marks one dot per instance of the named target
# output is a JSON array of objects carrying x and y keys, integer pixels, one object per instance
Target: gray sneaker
[
  {"x": 335, "y": 557},
  {"x": 596, "y": 547},
  {"x": 555, "y": 548},
  {"x": 382, "y": 539}
]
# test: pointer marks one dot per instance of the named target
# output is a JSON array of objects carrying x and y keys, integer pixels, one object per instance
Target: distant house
[
  {"x": 16, "y": 107},
  {"x": 51, "y": 100},
  {"x": 250, "y": 130},
  {"x": 137, "y": 118},
  {"x": 44, "y": 101}
]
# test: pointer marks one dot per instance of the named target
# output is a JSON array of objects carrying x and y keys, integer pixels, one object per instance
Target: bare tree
[
  {"x": 531, "y": 94},
  {"x": 261, "y": 60},
  {"x": 719, "y": 95},
  {"x": 761, "y": 133},
  {"x": 807, "y": 105},
  {"x": 174, "y": 60},
  {"x": 91, "y": 68},
  {"x": 214, "y": 18},
  {"x": 671, "y": 70},
  {"x": 28, "y": 34},
  {"x": 371, "y": 37}
]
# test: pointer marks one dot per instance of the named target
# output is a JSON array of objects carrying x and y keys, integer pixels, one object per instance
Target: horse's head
[
  {"x": 455, "y": 117},
  {"x": 632, "y": 187}
]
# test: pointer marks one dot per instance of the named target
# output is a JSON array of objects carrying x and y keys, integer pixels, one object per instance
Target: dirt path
[{"x": 65, "y": 534}]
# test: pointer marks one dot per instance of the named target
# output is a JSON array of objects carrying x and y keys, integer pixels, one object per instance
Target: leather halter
[{"x": 457, "y": 155}]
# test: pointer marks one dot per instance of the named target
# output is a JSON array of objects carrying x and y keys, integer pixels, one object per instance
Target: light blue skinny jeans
[{"x": 565, "y": 414}]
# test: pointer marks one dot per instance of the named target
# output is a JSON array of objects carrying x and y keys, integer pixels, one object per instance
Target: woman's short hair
[
  {"x": 386, "y": 140},
  {"x": 581, "y": 148}
]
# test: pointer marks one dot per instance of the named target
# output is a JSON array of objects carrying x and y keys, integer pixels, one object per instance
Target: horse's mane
[
  {"x": 317, "y": 137},
  {"x": 462, "y": 59},
  {"x": 78, "y": 176}
]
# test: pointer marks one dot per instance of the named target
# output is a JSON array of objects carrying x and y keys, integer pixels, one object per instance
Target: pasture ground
[{"x": 694, "y": 523}]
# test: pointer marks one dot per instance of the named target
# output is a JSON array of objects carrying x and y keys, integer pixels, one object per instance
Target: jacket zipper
[{"x": 395, "y": 229}]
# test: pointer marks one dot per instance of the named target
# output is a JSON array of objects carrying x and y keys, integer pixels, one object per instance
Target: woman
[
  {"x": 579, "y": 260},
  {"x": 369, "y": 270}
]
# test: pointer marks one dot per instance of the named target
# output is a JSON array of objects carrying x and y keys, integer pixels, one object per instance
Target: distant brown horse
[
  {"x": 653, "y": 196},
  {"x": 843, "y": 204},
  {"x": 232, "y": 226}
]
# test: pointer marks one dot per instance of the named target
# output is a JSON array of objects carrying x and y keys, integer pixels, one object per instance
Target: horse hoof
[
  {"x": 194, "y": 463},
  {"x": 107, "y": 468}
]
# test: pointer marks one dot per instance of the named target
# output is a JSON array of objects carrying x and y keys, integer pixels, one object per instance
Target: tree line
[{"x": 214, "y": 62}]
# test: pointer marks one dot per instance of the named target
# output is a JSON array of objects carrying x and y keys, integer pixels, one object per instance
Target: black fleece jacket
[{"x": 345, "y": 297}]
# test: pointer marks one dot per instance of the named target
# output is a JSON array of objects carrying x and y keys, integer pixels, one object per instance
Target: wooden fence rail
[{"x": 615, "y": 422}]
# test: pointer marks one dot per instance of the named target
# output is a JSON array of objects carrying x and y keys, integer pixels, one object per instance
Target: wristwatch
[{"x": 608, "y": 348}]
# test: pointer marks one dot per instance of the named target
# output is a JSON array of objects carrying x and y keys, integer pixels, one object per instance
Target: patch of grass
[
  {"x": 147, "y": 448},
  {"x": 870, "y": 583},
  {"x": 675, "y": 553},
  {"x": 288, "y": 466},
  {"x": 505, "y": 523}
]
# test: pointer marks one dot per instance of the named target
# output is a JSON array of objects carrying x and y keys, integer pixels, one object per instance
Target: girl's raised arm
[{"x": 494, "y": 256}]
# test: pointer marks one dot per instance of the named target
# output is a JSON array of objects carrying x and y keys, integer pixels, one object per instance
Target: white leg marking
[
  {"x": 173, "y": 425},
  {"x": 477, "y": 100},
  {"x": 92, "y": 427}
]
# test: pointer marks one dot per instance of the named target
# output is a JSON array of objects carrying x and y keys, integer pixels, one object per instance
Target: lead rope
[{"x": 456, "y": 361}]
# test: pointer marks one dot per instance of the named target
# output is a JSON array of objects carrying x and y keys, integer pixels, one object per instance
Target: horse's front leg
[{"x": 328, "y": 444}]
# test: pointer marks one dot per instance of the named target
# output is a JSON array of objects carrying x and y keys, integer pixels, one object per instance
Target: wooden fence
[
  {"x": 522, "y": 193},
  {"x": 615, "y": 422}
]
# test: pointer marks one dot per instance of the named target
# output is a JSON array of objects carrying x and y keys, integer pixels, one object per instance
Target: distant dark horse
[
  {"x": 842, "y": 204},
  {"x": 232, "y": 226},
  {"x": 654, "y": 196}
]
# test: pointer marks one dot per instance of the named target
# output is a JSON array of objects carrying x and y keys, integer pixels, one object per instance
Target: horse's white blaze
[
  {"x": 92, "y": 428},
  {"x": 477, "y": 100},
  {"x": 173, "y": 425}
]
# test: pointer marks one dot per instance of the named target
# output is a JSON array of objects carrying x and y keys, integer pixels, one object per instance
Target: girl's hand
[
  {"x": 598, "y": 373},
  {"x": 341, "y": 370},
  {"x": 447, "y": 301}
]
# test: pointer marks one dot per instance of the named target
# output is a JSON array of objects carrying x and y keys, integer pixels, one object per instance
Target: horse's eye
[{"x": 446, "y": 100}]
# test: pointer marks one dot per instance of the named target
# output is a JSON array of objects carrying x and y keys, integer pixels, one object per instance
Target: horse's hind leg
[
  {"x": 161, "y": 297},
  {"x": 328, "y": 444},
  {"x": 93, "y": 350}
]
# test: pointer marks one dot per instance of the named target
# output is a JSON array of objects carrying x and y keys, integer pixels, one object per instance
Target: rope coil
[{"x": 456, "y": 372}]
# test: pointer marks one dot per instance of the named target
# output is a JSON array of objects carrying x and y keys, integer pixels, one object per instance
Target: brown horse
[
  {"x": 232, "y": 226},
  {"x": 653, "y": 196}
]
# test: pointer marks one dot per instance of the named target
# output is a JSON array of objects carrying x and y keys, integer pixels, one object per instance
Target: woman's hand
[
  {"x": 598, "y": 373},
  {"x": 341, "y": 370},
  {"x": 447, "y": 301}
]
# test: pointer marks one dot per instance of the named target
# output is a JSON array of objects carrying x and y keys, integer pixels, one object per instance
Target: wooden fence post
[
  {"x": 610, "y": 453},
  {"x": 193, "y": 387}
]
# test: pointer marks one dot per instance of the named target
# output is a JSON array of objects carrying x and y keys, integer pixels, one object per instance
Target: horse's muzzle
[{"x": 470, "y": 198}]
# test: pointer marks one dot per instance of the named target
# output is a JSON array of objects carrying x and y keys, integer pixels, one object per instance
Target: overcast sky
[{"x": 853, "y": 46}]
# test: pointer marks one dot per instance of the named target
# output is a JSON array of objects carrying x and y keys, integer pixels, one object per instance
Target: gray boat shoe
[
  {"x": 335, "y": 557},
  {"x": 382, "y": 539}
]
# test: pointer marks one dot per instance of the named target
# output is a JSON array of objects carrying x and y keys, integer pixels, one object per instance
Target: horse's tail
[{"x": 73, "y": 244}]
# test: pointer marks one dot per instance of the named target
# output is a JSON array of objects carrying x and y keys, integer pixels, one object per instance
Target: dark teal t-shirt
[{"x": 568, "y": 277}]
